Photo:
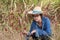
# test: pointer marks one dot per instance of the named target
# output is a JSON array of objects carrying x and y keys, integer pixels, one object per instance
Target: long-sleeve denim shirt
[{"x": 46, "y": 27}]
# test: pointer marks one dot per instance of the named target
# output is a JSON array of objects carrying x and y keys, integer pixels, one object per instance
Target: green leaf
[
  {"x": 35, "y": 2},
  {"x": 21, "y": 1}
]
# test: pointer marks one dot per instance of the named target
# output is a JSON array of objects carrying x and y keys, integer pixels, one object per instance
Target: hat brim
[{"x": 32, "y": 13}]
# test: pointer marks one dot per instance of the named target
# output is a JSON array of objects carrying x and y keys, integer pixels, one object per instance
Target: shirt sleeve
[
  {"x": 48, "y": 27},
  {"x": 41, "y": 32},
  {"x": 33, "y": 26}
]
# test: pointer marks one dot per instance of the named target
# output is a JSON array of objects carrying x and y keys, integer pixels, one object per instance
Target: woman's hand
[{"x": 33, "y": 31}]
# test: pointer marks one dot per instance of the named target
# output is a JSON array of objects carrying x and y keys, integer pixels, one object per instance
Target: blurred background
[{"x": 14, "y": 18}]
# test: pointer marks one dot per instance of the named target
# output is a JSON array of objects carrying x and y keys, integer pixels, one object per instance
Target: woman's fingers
[{"x": 33, "y": 31}]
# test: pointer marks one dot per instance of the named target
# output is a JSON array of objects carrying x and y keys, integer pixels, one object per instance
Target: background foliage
[{"x": 14, "y": 18}]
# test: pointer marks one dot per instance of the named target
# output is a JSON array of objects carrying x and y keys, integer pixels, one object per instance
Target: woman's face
[{"x": 37, "y": 17}]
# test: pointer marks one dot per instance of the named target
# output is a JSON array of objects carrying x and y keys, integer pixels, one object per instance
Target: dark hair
[{"x": 41, "y": 15}]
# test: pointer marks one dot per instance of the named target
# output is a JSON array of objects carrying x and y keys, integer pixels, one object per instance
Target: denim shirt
[{"x": 46, "y": 27}]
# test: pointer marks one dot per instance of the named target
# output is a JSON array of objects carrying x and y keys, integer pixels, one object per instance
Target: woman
[{"x": 40, "y": 27}]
